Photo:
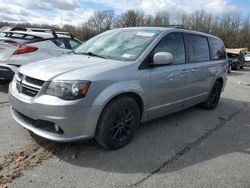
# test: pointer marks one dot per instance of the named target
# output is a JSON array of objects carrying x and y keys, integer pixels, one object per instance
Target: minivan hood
[{"x": 51, "y": 68}]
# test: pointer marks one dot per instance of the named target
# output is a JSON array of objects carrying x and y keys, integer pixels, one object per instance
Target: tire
[
  {"x": 241, "y": 67},
  {"x": 4, "y": 82},
  {"x": 118, "y": 123},
  {"x": 213, "y": 97},
  {"x": 236, "y": 68}
]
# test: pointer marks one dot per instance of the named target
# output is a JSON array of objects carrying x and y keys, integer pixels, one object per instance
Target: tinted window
[
  {"x": 59, "y": 42},
  {"x": 198, "y": 48},
  {"x": 173, "y": 43},
  {"x": 217, "y": 49},
  {"x": 73, "y": 43}
]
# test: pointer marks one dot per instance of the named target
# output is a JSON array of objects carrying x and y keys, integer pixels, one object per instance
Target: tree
[
  {"x": 101, "y": 20},
  {"x": 131, "y": 18},
  {"x": 161, "y": 19}
]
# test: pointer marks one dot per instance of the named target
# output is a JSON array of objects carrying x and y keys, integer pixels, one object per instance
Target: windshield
[
  {"x": 247, "y": 54},
  {"x": 124, "y": 44}
]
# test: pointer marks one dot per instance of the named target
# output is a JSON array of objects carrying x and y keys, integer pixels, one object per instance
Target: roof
[
  {"x": 235, "y": 50},
  {"x": 174, "y": 28}
]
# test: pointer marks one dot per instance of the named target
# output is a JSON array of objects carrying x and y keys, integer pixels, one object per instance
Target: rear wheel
[
  {"x": 118, "y": 123},
  {"x": 213, "y": 97},
  {"x": 241, "y": 67}
]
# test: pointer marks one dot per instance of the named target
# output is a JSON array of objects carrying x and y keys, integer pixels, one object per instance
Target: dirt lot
[{"x": 192, "y": 148}]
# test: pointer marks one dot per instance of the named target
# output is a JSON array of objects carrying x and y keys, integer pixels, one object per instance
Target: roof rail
[
  {"x": 54, "y": 33},
  {"x": 65, "y": 33},
  {"x": 38, "y": 29},
  {"x": 18, "y": 29},
  {"x": 179, "y": 26}
]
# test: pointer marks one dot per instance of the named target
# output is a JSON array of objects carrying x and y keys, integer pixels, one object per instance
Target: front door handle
[
  {"x": 194, "y": 69},
  {"x": 184, "y": 71}
]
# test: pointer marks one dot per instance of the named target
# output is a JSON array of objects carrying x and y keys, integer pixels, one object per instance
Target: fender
[{"x": 120, "y": 88}]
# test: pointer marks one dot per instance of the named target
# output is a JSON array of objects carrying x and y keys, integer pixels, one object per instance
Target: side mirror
[{"x": 163, "y": 58}]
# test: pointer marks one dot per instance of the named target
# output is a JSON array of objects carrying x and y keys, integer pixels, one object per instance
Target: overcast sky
[{"x": 76, "y": 12}]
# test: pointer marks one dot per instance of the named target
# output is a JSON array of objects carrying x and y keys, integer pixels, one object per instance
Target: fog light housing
[{"x": 57, "y": 128}]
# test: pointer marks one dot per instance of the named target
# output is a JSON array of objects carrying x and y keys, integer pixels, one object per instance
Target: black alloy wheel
[
  {"x": 213, "y": 97},
  {"x": 118, "y": 123}
]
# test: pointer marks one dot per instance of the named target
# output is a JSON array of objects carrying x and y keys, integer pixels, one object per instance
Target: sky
[{"x": 76, "y": 12}]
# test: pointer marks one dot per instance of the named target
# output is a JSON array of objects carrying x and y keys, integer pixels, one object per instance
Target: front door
[{"x": 169, "y": 84}]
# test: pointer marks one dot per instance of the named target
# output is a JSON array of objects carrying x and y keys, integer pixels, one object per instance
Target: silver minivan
[{"x": 116, "y": 80}]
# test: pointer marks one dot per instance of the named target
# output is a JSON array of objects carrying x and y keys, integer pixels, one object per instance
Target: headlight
[{"x": 68, "y": 90}]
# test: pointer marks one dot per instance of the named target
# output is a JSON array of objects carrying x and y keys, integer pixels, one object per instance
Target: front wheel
[
  {"x": 118, "y": 123},
  {"x": 213, "y": 97}
]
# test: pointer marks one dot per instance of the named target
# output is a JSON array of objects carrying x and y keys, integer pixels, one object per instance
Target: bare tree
[
  {"x": 131, "y": 18},
  {"x": 198, "y": 20},
  {"x": 232, "y": 28},
  {"x": 101, "y": 20},
  {"x": 161, "y": 19}
]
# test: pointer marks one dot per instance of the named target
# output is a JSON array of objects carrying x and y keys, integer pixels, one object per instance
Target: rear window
[
  {"x": 198, "y": 48},
  {"x": 217, "y": 49}
]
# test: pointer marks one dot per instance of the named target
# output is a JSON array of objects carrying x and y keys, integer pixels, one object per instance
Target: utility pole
[{"x": 61, "y": 19}]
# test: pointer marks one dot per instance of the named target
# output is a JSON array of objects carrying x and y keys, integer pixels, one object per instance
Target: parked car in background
[
  {"x": 20, "y": 46},
  {"x": 247, "y": 59},
  {"x": 236, "y": 58},
  {"x": 116, "y": 80}
]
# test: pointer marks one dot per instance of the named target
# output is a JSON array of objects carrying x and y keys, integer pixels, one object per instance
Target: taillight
[{"x": 25, "y": 49}]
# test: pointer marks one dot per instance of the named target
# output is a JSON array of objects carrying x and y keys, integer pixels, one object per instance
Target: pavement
[{"x": 191, "y": 148}]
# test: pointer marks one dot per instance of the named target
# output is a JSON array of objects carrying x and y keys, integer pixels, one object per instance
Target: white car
[
  {"x": 19, "y": 47},
  {"x": 247, "y": 58}
]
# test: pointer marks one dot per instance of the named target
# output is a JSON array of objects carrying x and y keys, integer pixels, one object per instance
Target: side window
[
  {"x": 217, "y": 49},
  {"x": 59, "y": 42},
  {"x": 73, "y": 43},
  {"x": 198, "y": 48},
  {"x": 173, "y": 43}
]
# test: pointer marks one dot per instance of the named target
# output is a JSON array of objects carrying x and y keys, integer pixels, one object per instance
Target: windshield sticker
[
  {"x": 127, "y": 55},
  {"x": 145, "y": 34}
]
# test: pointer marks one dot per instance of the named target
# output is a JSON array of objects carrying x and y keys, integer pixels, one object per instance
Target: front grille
[
  {"x": 27, "y": 85},
  {"x": 29, "y": 92},
  {"x": 34, "y": 81}
]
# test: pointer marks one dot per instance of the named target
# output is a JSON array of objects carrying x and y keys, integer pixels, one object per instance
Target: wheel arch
[
  {"x": 220, "y": 79},
  {"x": 132, "y": 95}
]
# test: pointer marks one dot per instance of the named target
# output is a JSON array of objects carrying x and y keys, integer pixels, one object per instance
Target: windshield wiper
[{"x": 93, "y": 54}]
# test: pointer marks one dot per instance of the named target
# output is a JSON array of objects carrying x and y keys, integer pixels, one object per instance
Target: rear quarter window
[
  {"x": 217, "y": 49},
  {"x": 198, "y": 49}
]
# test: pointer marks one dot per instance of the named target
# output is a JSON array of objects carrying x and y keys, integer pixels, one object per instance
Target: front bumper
[
  {"x": 76, "y": 122},
  {"x": 7, "y": 71}
]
